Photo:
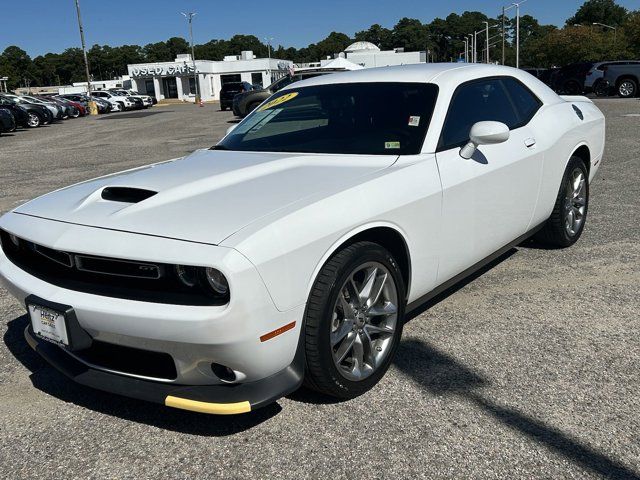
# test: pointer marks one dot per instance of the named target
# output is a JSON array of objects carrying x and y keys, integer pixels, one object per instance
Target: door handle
[{"x": 530, "y": 142}]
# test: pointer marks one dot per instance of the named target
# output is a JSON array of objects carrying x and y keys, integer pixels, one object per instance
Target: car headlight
[
  {"x": 217, "y": 281},
  {"x": 210, "y": 280}
]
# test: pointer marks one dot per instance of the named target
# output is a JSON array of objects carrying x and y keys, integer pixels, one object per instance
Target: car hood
[{"x": 204, "y": 197}]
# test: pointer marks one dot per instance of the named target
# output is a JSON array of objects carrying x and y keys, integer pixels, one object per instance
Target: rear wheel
[
  {"x": 353, "y": 321},
  {"x": 627, "y": 88},
  {"x": 569, "y": 215},
  {"x": 34, "y": 120}
]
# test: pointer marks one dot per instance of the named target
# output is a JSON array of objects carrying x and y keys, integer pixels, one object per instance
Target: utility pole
[
  {"x": 475, "y": 47},
  {"x": 503, "y": 33},
  {"x": 93, "y": 109},
  {"x": 487, "y": 40},
  {"x": 189, "y": 16},
  {"x": 517, "y": 5}
]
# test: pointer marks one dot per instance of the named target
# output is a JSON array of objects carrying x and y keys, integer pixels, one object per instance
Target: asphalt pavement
[{"x": 530, "y": 369}]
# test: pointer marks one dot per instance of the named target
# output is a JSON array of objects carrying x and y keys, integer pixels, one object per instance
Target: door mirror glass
[{"x": 484, "y": 133}]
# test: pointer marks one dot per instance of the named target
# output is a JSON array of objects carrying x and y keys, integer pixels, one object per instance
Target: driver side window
[{"x": 477, "y": 101}]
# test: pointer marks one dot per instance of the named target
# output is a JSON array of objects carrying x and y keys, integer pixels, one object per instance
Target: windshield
[{"x": 349, "y": 118}]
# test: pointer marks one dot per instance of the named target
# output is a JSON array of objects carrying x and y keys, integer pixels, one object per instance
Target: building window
[
  {"x": 230, "y": 78},
  {"x": 256, "y": 78}
]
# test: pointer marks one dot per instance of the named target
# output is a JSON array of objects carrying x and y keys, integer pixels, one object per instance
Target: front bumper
[
  {"x": 195, "y": 337},
  {"x": 212, "y": 399}
]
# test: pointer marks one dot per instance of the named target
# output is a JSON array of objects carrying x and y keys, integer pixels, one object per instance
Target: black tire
[
  {"x": 571, "y": 87},
  {"x": 321, "y": 373},
  {"x": 554, "y": 233},
  {"x": 122, "y": 107},
  {"x": 601, "y": 88},
  {"x": 627, "y": 88},
  {"x": 223, "y": 107}
]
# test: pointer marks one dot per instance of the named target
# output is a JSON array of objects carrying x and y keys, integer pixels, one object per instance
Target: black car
[
  {"x": 19, "y": 113},
  {"x": 245, "y": 103},
  {"x": 7, "y": 122},
  {"x": 37, "y": 114},
  {"x": 570, "y": 78},
  {"x": 230, "y": 90}
]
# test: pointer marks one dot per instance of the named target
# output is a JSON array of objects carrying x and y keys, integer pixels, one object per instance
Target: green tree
[
  {"x": 378, "y": 35},
  {"x": 601, "y": 11}
]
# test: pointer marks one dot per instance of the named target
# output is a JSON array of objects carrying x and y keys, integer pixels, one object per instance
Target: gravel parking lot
[{"x": 531, "y": 369}]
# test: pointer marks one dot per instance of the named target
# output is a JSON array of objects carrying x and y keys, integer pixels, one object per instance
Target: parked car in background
[
  {"x": 146, "y": 100},
  {"x": 121, "y": 101},
  {"x": 595, "y": 75},
  {"x": 70, "y": 111},
  {"x": 56, "y": 111},
  {"x": 570, "y": 79},
  {"x": 7, "y": 122},
  {"x": 245, "y": 103},
  {"x": 621, "y": 80},
  {"x": 83, "y": 99},
  {"x": 229, "y": 90},
  {"x": 105, "y": 106},
  {"x": 38, "y": 114},
  {"x": 19, "y": 112}
]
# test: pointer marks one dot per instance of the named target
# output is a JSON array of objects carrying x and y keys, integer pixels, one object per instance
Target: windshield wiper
[{"x": 218, "y": 147}]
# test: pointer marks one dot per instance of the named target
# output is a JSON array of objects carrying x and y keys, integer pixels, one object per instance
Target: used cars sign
[{"x": 161, "y": 70}]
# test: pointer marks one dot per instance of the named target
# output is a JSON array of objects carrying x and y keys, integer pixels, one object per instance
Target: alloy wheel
[
  {"x": 575, "y": 202},
  {"x": 364, "y": 321},
  {"x": 33, "y": 120},
  {"x": 626, "y": 89}
]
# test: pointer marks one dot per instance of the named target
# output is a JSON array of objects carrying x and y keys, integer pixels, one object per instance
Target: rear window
[{"x": 232, "y": 86}]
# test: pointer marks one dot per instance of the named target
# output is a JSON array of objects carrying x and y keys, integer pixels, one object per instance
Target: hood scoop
[{"x": 126, "y": 194}]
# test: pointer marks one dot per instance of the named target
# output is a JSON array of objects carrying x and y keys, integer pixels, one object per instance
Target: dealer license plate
[{"x": 49, "y": 325}]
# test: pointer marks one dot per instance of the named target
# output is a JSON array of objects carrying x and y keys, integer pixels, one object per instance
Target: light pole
[
  {"x": 189, "y": 16},
  {"x": 269, "y": 40},
  {"x": 470, "y": 47},
  {"x": 93, "y": 109},
  {"x": 517, "y": 5},
  {"x": 487, "y": 27},
  {"x": 615, "y": 30},
  {"x": 466, "y": 50}
]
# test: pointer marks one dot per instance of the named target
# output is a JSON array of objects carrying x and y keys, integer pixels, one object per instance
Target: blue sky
[{"x": 41, "y": 26}]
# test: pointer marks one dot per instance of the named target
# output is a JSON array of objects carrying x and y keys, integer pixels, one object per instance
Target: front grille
[
  {"x": 110, "y": 277},
  {"x": 134, "y": 361}
]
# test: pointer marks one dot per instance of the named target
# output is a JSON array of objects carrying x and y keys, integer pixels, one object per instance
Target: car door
[{"x": 489, "y": 199}]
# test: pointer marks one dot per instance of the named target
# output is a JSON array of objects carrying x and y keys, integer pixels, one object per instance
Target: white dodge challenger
[{"x": 292, "y": 250}]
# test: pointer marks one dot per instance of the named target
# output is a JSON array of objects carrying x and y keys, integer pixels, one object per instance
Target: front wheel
[
  {"x": 569, "y": 215},
  {"x": 353, "y": 321},
  {"x": 33, "y": 120}
]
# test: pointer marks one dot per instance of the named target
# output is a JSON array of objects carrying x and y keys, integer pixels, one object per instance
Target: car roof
[{"x": 444, "y": 75}]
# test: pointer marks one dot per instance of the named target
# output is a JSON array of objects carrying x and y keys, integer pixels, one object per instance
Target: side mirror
[
  {"x": 231, "y": 128},
  {"x": 484, "y": 133}
]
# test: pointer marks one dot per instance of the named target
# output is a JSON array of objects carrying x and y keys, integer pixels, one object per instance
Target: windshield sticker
[
  {"x": 414, "y": 121},
  {"x": 389, "y": 145},
  {"x": 277, "y": 101}
]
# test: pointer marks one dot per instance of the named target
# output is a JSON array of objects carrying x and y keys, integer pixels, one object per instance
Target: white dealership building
[
  {"x": 177, "y": 79},
  {"x": 368, "y": 55}
]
